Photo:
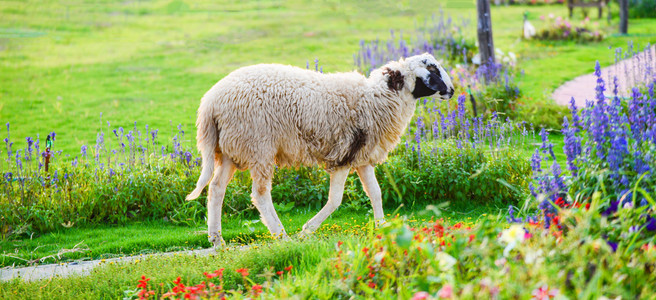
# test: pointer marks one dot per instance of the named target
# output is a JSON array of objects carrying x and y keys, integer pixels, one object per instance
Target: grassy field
[
  {"x": 160, "y": 236},
  {"x": 62, "y": 65}
]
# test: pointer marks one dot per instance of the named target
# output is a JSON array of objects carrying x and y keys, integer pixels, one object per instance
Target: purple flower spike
[{"x": 650, "y": 224}]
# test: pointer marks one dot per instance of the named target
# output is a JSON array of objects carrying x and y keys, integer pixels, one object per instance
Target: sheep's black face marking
[
  {"x": 395, "y": 81},
  {"x": 430, "y": 85},
  {"x": 358, "y": 141}
]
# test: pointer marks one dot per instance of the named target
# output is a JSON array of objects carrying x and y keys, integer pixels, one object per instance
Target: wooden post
[
  {"x": 601, "y": 6},
  {"x": 624, "y": 16},
  {"x": 485, "y": 41}
]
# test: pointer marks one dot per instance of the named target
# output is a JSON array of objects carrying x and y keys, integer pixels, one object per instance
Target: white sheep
[{"x": 268, "y": 114}]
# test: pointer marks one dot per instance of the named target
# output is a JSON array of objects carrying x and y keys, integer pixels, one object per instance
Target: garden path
[
  {"x": 583, "y": 87},
  {"x": 38, "y": 272}
]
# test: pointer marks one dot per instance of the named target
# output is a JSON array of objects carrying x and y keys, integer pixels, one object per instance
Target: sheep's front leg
[
  {"x": 262, "y": 200},
  {"x": 215, "y": 195},
  {"x": 371, "y": 187},
  {"x": 337, "y": 181}
]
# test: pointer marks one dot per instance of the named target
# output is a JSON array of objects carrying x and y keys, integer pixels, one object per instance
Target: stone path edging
[
  {"x": 583, "y": 87},
  {"x": 40, "y": 272}
]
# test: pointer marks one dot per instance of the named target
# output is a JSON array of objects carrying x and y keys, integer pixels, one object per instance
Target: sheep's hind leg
[
  {"x": 262, "y": 200},
  {"x": 215, "y": 195},
  {"x": 371, "y": 187},
  {"x": 337, "y": 181}
]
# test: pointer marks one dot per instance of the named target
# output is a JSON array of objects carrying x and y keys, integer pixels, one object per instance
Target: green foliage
[
  {"x": 87, "y": 196},
  {"x": 484, "y": 261},
  {"x": 445, "y": 172},
  {"x": 642, "y": 9}
]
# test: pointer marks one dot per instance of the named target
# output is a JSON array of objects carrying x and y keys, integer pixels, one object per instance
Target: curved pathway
[
  {"x": 39, "y": 272},
  {"x": 583, "y": 87}
]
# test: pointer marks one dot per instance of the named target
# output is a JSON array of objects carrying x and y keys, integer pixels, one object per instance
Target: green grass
[
  {"x": 111, "y": 280},
  {"x": 97, "y": 242},
  {"x": 63, "y": 64}
]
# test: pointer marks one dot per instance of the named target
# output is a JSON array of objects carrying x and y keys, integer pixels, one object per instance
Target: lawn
[{"x": 62, "y": 65}]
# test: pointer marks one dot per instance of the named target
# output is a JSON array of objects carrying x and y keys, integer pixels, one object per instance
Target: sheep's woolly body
[
  {"x": 274, "y": 113},
  {"x": 263, "y": 115}
]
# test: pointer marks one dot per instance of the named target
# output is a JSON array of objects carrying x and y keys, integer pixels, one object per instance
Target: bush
[
  {"x": 558, "y": 29},
  {"x": 642, "y": 9},
  {"x": 459, "y": 159}
]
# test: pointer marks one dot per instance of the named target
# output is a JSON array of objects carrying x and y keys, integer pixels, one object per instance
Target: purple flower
[
  {"x": 650, "y": 223},
  {"x": 612, "y": 245},
  {"x": 84, "y": 150},
  {"x": 511, "y": 216},
  {"x": 611, "y": 209}
]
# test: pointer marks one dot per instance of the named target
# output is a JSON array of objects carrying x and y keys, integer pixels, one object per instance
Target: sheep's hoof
[
  {"x": 216, "y": 241},
  {"x": 282, "y": 236}
]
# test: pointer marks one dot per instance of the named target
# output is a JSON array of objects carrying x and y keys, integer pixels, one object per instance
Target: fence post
[{"x": 485, "y": 41}]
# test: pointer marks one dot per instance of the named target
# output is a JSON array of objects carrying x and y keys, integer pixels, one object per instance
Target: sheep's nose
[{"x": 448, "y": 93}]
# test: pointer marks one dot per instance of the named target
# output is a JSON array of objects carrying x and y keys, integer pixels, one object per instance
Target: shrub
[
  {"x": 642, "y": 9},
  {"x": 558, "y": 29},
  {"x": 133, "y": 176}
]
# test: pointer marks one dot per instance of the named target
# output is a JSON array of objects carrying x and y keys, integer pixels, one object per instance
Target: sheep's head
[
  {"x": 431, "y": 78},
  {"x": 421, "y": 74}
]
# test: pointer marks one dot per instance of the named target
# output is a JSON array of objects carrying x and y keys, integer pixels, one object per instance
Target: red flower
[
  {"x": 587, "y": 206},
  {"x": 243, "y": 272},
  {"x": 365, "y": 250},
  {"x": 279, "y": 273},
  {"x": 372, "y": 285},
  {"x": 177, "y": 281},
  {"x": 339, "y": 244},
  {"x": 145, "y": 294},
  {"x": 257, "y": 290},
  {"x": 143, "y": 282},
  {"x": 289, "y": 269},
  {"x": 471, "y": 237}
]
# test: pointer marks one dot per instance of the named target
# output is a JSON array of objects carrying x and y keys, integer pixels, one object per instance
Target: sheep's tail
[{"x": 206, "y": 137}]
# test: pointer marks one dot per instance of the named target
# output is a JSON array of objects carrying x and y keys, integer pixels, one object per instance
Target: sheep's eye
[{"x": 431, "y": 69}]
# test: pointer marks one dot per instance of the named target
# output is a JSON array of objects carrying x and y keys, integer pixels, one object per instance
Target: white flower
[
  {"x": 446, "y": 261},
  {"x": 533, "y": 257},
  {"x": 378, "y": 257},
  {"x": 512, "y": 236}
]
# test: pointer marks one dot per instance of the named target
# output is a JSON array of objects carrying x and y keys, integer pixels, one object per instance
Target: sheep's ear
[{"x": 395, "y": 80}]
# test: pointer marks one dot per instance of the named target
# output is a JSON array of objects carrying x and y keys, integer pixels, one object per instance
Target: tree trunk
[
  {"x": 485, "y": 42},
  {"x": 624, "y": 16}
]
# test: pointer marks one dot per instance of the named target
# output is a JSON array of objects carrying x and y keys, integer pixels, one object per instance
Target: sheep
[{"x": 269, "y": 114}]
